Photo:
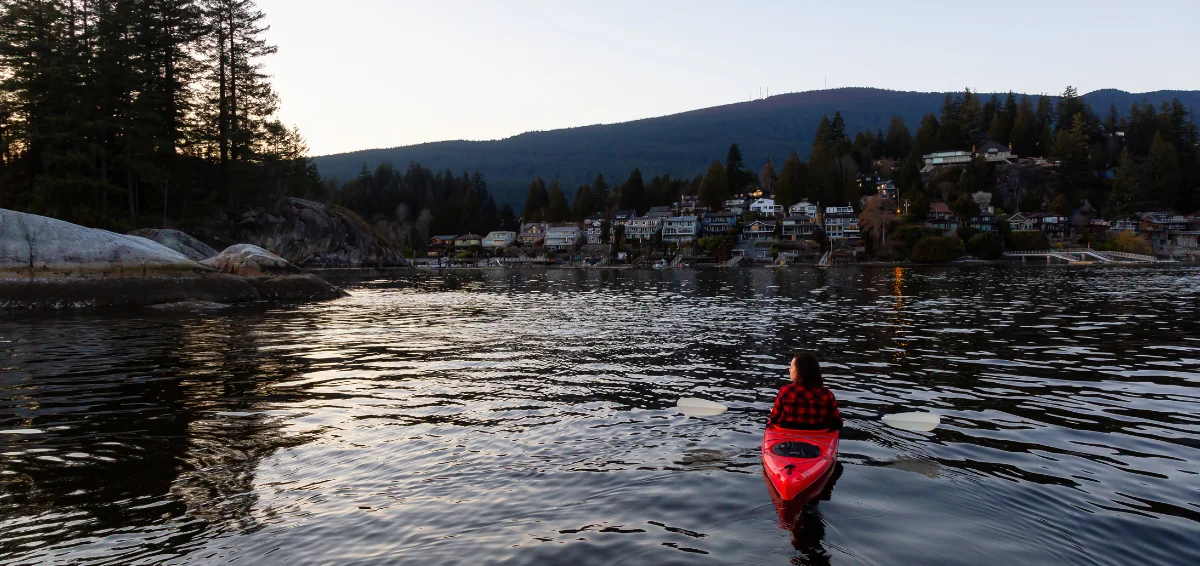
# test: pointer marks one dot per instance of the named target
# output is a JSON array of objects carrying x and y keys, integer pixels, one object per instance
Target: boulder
[
  {"x": 313, "y": 235},
  {"x": 273, "y": 276},
  {"x": 34, "y": 246},
  {"x": 250, "y": 261},
  {"x": 178, "y": 241}
]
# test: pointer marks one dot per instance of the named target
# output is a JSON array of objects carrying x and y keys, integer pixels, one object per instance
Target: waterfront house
[
  {"x": 642, "y": 229},
  {"x": 593, "y": 226},
  {"x": 560, "y": 238},
  {"x": 942, "y": 218},
  {"x": 1125, "y": 225},
  {"x": 1021, "y": 222},
  {"x": 1053, "y": 224},
  {"x": 532, "y": 234},
  {"x": 803, "y": 207},
  {"x": 719, "y": 223},
  {"x": 499, "y": 239},
  {"x": 660, "y": 212},
  {"x": 623, "y": 216},
  {"x": 798, "y": 227},
  {"x": 759, "y": 231},
  {"x": 465, "y": 241},
  {"x": 680, "y": 230},
  {"x": 841, "y": 225},
  {"x": 985, "y": 221},
  {"x": 1169, "y": 234},
  {"x": 766, "y": 207},
  {"x": 440, "y": 245}
]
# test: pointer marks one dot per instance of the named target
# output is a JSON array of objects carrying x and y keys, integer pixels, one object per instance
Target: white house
[
  {"x": 642, "y": 229},
  {"x": 562, "y": 238},
  {"x": 592, "y": 227},
  {"x": 996, "y": 153},
  {"x": 499, "y": 239},
  {"x": 803, "y": 207},
  {"x": 948, "y": 158},
  {"x": 681, "y": 229},
  {"x": 766, "y": 206}
]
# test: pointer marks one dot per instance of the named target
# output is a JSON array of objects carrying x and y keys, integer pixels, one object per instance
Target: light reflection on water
[{"x": 528, "y": 416}]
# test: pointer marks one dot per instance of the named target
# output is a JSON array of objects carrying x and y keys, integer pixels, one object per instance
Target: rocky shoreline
[{"x": 48, "y": 264}]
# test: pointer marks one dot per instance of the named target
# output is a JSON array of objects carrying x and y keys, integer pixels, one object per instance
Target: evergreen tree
[
  {"x": 1126, "y": 187},
  {"x": 714, "y": 189},
  {"x": 1163, "y": 177},
  {"x": 535, "y": 200},
  {"x": 925, "y": 141},
  {"x": 735, "y": 177},
  {"x": 579, "y": 205},
  {"x": 792, "y": 186},
  {"x": 1025, "y": 130},
  {"x": 472, "y": 220},
  {"x": 633, "y": 193},
  {"x": 557, "y": 210},
  {"x": 508, "y": 220},
  {"x": 1069, "y": 106},
  {"x": 598, "y": 194},
  {"x": 899, "y": 141},
  {"x": 767, "y": 177}
]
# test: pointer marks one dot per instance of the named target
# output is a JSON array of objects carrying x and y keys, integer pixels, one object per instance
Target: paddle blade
[
  {"x": 700, "y": 407},
  {"x": 916, "y": 422}
]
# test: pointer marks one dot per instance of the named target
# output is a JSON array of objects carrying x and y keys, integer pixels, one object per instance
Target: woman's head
[{"x": 806, "y": 370}]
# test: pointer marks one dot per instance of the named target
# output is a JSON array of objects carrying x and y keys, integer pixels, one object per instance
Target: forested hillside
[{"x": 683, "y": 145}]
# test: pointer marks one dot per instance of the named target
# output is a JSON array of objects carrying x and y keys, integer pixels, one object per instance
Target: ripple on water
[{"x": 528, "y": 416}]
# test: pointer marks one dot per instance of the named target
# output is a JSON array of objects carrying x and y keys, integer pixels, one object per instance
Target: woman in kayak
[{"x": 805, "y": 403}]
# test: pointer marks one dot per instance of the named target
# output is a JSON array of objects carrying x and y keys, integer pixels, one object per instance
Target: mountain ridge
[{"x": 684, "y": 143}]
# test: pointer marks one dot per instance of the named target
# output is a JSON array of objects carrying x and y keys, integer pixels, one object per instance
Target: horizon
[{"x": 396, "y": 75}]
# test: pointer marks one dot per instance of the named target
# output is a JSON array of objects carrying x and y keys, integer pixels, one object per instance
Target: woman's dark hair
[{"x": 809, "y": 369}]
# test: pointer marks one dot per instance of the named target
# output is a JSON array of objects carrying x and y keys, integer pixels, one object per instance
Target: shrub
[
  {"x": 986, "y": 246},
  {"x": 1130, "y": 243},
  {"x": 935, "y": 249}
]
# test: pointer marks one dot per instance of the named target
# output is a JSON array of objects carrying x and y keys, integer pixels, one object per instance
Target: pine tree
[
  {"x": 598, "y": 194},
  {"x": 792, "y": 186},
  {"x": 899, "y": 141},
  {"x": 735, "y": 178},
  {"x": 767, "y": 176},
  {"x": 633, "y": 193},
  {"x": 536, "y": 200},
  {"x": 579, "y": 205},
  {"x": 1163, "y": 177},
  {"x": 714, "y": 189},
  {"x": 1126, "y": 187},
  {"x": 557, "y": 210}
]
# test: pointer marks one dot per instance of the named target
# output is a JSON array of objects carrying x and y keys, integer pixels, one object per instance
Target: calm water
[{"x": 528, "y": 417}]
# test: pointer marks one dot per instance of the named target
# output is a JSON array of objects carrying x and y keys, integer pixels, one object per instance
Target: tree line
[{"x": 118, "y": 113}]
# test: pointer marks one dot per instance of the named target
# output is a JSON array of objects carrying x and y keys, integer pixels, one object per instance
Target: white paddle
[{"x": 916, "y": 422}]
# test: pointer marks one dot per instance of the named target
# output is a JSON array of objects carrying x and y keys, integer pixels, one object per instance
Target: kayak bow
[{"x": 798, "y": 462}]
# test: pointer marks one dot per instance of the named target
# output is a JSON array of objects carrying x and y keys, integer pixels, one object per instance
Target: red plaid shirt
[{"x": 797, "y": 407}]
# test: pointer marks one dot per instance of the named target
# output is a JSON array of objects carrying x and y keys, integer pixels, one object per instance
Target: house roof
[
  {"x": 714, "y": 215},
  {"x": 596, "y": 216},
  {"x": 444, "y": 237},
  {"x": 624, "y": 213},
  {"x": 499, "y": 234},
  {"x": 680, "y": 219},
  {"x": 992, "y": 145},
  {"x": 940, "y": 208},
  {"x": 763, "y": 222},
  {"x": 469, "y": 237}
]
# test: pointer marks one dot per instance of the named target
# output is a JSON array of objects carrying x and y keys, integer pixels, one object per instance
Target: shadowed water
[{"x": 528, "y": 417}]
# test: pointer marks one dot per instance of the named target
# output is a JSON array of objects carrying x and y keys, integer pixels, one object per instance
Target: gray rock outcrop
[
  {"x": 273, "y": 276},
  {"x": 178, "y": 241},
  {"x": 49, "y": 264},
  {"x": 310, "y": 234}
]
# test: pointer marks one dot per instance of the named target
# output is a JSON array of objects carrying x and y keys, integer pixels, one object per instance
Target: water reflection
[{"x": 528, "y": 416}]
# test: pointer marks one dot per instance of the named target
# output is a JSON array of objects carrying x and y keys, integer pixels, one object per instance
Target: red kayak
[{"x": 797, "y": 463}]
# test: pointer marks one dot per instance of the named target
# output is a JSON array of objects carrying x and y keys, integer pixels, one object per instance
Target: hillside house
[
  {"x": 563, "y": 238},
  {"x": 499, "y": 239},
  {"x": 642, "y": 229},
  {"x": 660, "y": 212},
  {"x": 841, "y": 225},
  {"x": 798, "y": 227},
  {"x": 942, "y": 218},
  {"x": 680, "y": 230},
  {"x": 465, "y": 241},
  {"x": 440, "y": 245},
  {"x": 759, "y": 231},
  {"x": 718, "y": 223},
  {"x": 532, "y": 234},
  {"x": 995, "y": 152},
  {"x": 803, "y": 207},
  {"x": 766, "y": 207},
  {"x": 1021, "y": 222},
  {"x": 947, "y": 158},
  {"x": 592, "y": 229}
]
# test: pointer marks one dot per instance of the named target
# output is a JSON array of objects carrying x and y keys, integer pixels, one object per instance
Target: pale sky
[{"x": 360, "y": 74}]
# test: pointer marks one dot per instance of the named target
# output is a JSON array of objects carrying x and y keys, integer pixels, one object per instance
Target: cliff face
[{"x": 310, "y": 234}]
